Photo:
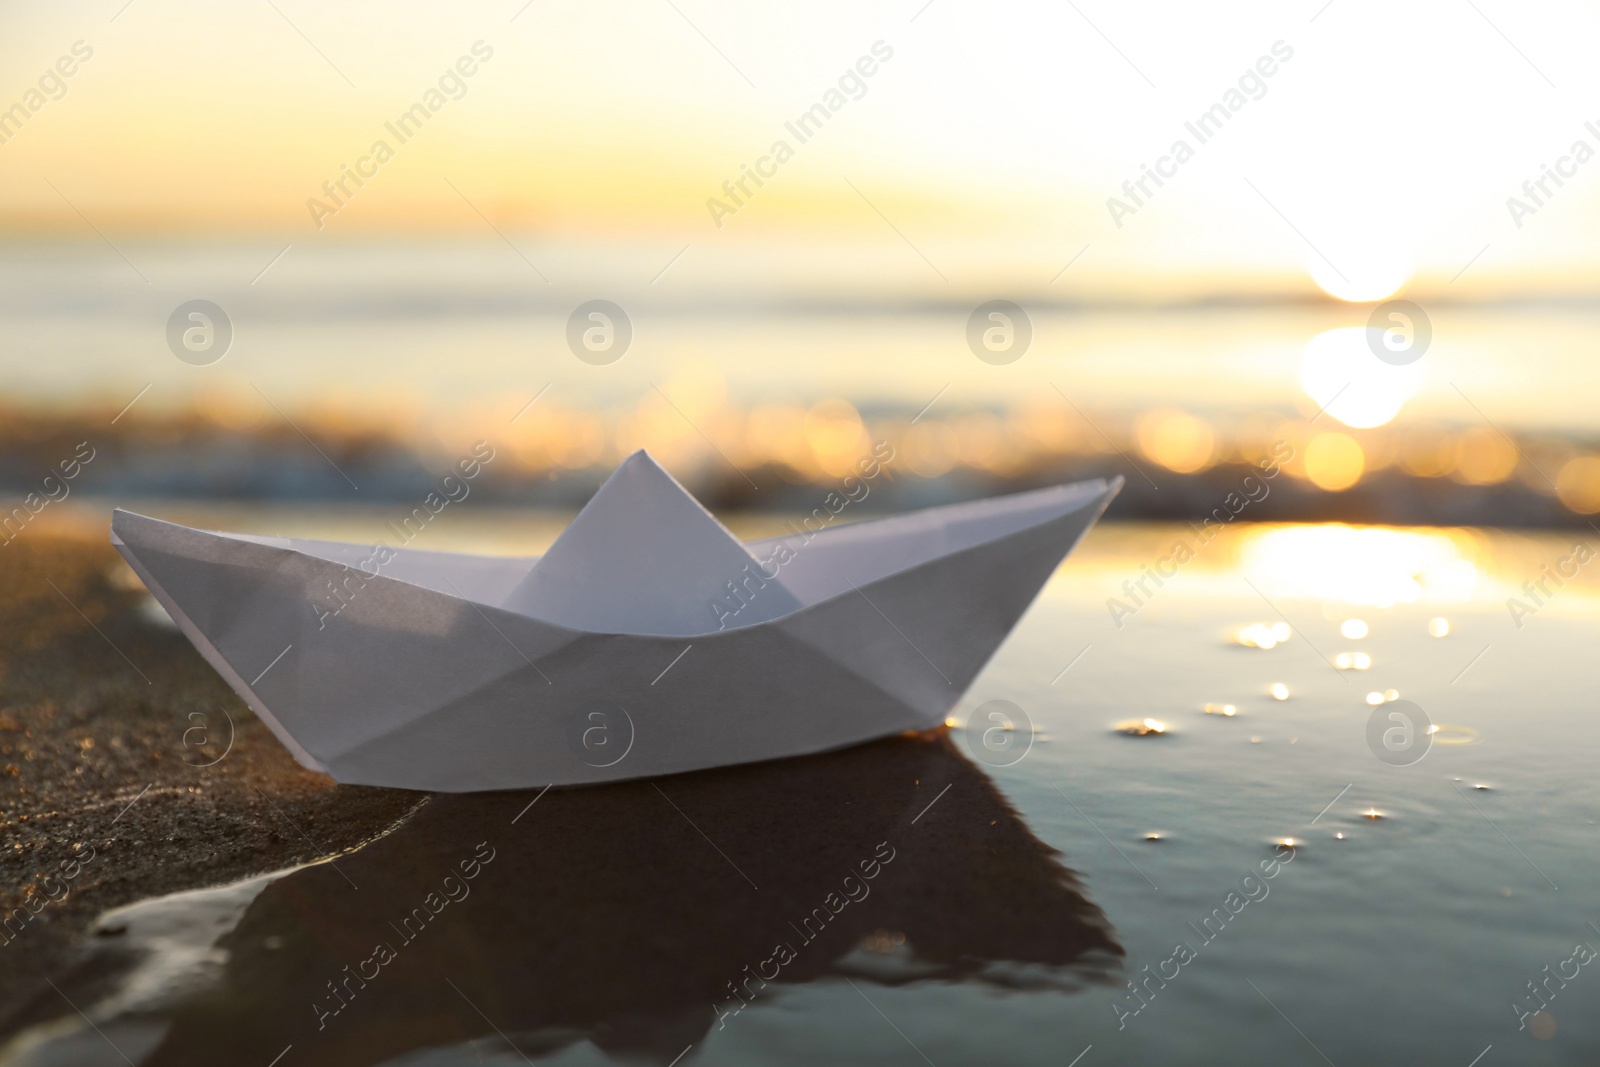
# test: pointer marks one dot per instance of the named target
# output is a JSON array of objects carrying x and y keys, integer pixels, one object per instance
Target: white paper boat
[{"x": 647, "y": 641}]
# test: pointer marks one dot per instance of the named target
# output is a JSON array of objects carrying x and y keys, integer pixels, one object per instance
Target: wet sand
[
  {"x": 117, "y": 777},
  {"x": 594, "y": 917}
]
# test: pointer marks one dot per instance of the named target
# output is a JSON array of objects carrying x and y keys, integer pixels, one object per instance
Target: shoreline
[{"x": 118, "y": 769}]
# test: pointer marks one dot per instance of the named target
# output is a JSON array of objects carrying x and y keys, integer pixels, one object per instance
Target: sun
[{"x": 1363, "y": 277}]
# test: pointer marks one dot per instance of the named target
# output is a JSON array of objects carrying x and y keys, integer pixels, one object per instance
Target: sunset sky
[{"x": 1385, "y": 147}]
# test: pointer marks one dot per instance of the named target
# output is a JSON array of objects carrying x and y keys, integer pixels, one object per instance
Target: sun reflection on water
[
  {"x": 1339, "y": 371},
  {"x": 1360, "y": 565}
]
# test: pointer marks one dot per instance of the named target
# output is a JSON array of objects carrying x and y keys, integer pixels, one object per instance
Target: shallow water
[{"x": 1402, "y": 924}]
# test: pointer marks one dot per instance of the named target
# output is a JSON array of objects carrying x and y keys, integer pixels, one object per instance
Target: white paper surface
[{"x": 603, "y": 659}]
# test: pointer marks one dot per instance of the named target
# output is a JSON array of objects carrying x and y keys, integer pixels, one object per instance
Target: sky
[{"x": 1382, "y": 146}]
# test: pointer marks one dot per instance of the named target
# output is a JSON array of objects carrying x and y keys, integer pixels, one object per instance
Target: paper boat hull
[{"x": 416, "y": 688}]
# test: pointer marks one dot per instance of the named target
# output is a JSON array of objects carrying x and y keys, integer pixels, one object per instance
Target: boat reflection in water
[{"x": 641, "y": 916}]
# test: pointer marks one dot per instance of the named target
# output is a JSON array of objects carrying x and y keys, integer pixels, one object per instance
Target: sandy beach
[{"x": 119, "y": 779}]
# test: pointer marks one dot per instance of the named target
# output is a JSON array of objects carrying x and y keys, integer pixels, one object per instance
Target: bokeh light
[
  {"x": 1578, "y": 484},
  {"x": 1334, "y": 461},
  {"x": 1177, "y": 440}
]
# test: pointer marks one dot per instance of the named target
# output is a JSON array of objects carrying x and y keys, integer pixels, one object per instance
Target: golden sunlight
[
  {"x": 1343, "y": 376},
  {"x": 1370, "y": 565},
  {"x": 1362, "y": 281}
]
